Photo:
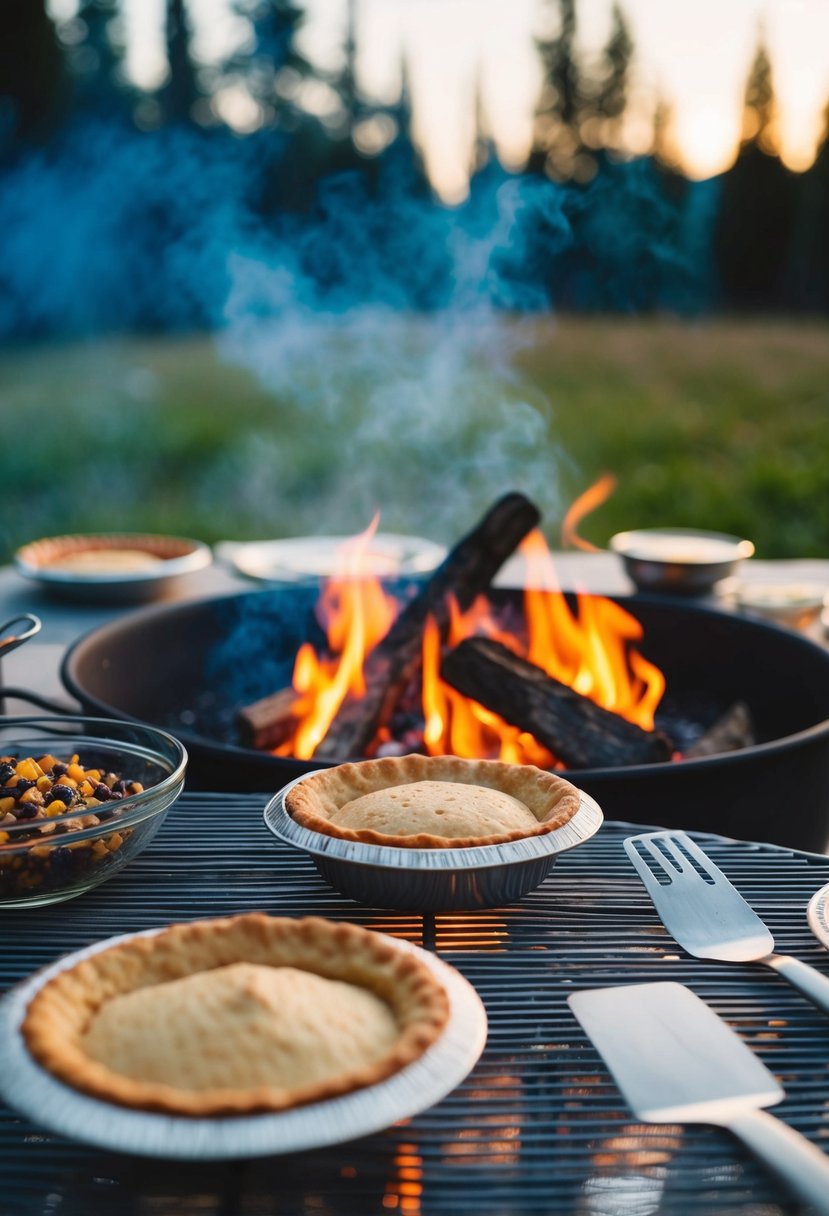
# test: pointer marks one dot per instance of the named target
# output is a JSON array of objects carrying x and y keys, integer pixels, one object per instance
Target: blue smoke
[
  {"x": 382, "y": 322},
  {"x": 110, "y": 229}
]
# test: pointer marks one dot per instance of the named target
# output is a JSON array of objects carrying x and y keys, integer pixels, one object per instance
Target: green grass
[{"x": 719, "y": 425}]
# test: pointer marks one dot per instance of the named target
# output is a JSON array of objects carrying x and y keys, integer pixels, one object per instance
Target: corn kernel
[
  {"x": 86, "y": 788},
  {"x": 55, "y": 808},
  {"x": 70, "y": 781},
  {"x": 6, "y": 805},
  {"x": 93, "y": 774},
  {"x": 44, "y": 783}
]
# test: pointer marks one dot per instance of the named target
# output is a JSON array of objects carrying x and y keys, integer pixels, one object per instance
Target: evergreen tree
[
  {"x": 402, "y": 159},
  {"x": 273, "y": 72},
  {"x": 808, "y": 285},
  {"x": 662, "y": 148},
  {"x": 346, "y": 83},
  {"x": 611, "y": 96},
  {"x": 754, "y": 227},
  {"x": 32, "y": 75},
  {"x": 310, "y": 148},
  {"x": 759, "y": 105},
  {"x": 354, "y": 108},
  {"x": 182, "y": 90},
  {"x": 605, "y": 99},
  {"x": 96, "y": 62},
  {"x": 483, "y": 148},
  {"x": 556, "y": 139}
]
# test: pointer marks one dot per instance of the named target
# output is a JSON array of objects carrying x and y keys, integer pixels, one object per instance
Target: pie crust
[
  {"x": 316, "y": 801},
  {"x": 61, "y": 1012}
]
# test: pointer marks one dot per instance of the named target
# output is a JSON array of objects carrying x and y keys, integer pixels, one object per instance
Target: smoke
[
  {"x": 384, "y": 326},
  {"x": 420, "y": 415},
  {"x": 112, "y": 231}
]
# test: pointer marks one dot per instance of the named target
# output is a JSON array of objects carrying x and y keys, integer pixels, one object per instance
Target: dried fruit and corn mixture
[{"x": 45, "y": 798}]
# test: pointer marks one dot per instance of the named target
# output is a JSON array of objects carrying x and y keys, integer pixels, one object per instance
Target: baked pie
[
  {"x": 224, "y": 1017},
  {"x": 426, "y": 802}
]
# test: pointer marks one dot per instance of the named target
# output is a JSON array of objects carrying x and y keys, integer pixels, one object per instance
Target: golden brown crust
[
  {"x": 63, "y": 1008},
  {"x": 552, "y": 800}
]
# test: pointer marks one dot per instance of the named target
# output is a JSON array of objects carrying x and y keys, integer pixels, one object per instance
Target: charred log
[
  {"x": 466, "y": 573},
  {"x": 267, "y": 723},
  {"x": 731, "y": 732},
  {"x": 575, "y": 729}
]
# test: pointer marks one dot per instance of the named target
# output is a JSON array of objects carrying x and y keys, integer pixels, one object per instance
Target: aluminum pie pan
[
  {"x": 817, "y": 914},
  {"x": 51, "y": 1104},
  {"x": 434, "y": 880}
]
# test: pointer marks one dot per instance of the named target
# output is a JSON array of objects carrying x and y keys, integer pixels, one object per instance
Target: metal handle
[
  {"x": 794, "y": 1159},
  {"x": 10, "y": 639},
  {"x": 805, "y": 978},
  {"x": 7, "y": 692}
]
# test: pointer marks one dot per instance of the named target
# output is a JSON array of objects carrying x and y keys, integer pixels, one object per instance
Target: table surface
[
  {"x": 36, "y": 664},
  {"x": 538, "y": 1126}
]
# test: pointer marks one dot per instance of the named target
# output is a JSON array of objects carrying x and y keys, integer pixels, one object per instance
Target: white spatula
[{"x": 675, "y": 1061}]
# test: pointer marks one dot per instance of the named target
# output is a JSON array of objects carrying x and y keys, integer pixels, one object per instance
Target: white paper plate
[
  {"x": 308, "y": 558},
  {"x": 817, "y": 914},
  {"x": 35, "y": 1093}
]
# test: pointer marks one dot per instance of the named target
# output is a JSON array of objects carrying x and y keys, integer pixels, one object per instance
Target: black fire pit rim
[{"x": 621, "y": 772}]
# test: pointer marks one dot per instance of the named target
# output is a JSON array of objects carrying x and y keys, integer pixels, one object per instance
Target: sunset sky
[{"x": 694, "y": 55}]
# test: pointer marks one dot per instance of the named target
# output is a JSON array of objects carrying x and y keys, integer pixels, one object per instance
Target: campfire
[{"x": 563, "y": 685}]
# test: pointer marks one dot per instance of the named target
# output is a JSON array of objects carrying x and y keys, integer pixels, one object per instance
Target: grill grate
[{"x": 538, "y": 1127}]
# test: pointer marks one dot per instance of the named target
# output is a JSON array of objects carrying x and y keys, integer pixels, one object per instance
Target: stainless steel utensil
[
  {"x": 675, "y": 1061},
  {"x": 707, "y": 915}
]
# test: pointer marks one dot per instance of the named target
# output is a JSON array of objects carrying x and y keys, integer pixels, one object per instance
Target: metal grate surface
[{"x": 538, "y": 1127}]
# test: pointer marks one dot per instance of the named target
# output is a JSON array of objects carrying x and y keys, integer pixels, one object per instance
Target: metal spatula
[
  {"x": 675, "y": 1061},
  {"x": 707, "y": 915}
]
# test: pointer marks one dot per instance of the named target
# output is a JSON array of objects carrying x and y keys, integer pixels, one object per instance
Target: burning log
[
  {"x": 574, "y": 728},
  {"x": 465, "y": 573},
  {"x": 732, "y": 731},
  {"x": 267, "y": 723}
]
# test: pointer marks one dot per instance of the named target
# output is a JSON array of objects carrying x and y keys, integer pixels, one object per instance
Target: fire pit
[{"x": 189, "y": 667}]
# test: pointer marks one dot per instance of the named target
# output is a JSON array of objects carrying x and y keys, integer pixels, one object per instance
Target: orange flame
[
  {"x": 356, "y": 613},
  {"x": 591, "y": 648},
  {"x": 592, "y": 498}
]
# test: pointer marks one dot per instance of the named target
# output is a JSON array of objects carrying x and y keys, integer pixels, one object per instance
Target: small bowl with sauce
[
  {"x": 679, "y": 561},
  {"x": 117, "y": 567}
]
